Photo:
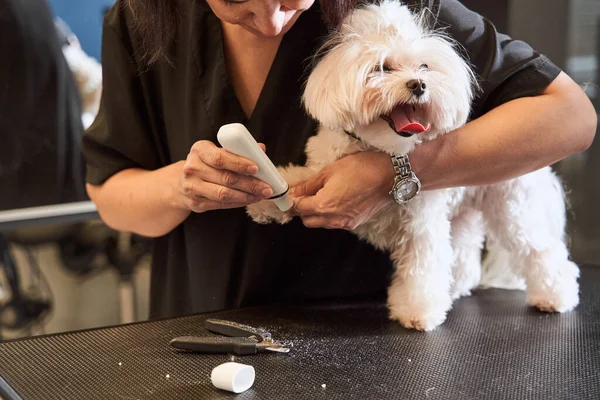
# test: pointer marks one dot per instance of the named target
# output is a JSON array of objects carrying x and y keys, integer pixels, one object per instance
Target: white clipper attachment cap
[
  {"x": 236, "y": 139},
  {"x": 233, "y": 377}
]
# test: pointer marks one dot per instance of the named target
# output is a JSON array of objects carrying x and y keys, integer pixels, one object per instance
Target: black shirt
[
  {"x": 221, "y": 259},
  {"x": 40, "y": 111}
]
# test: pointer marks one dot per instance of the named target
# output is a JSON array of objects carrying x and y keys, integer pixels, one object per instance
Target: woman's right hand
[{"x": 214, "y": 178}]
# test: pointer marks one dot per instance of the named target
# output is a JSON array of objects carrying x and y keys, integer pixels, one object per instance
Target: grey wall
[
  {"x": 521, "y": 19},
  {"x": 548, "y": 35}
]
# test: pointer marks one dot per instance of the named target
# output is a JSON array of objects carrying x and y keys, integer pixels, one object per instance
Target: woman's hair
[{"x": 156, "y": 22}]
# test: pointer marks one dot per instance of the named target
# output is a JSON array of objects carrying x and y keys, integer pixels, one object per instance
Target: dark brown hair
[{"x": 156, "y": 22}]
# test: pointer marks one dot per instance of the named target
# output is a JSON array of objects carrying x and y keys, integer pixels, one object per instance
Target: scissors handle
[
  {"x": 240, "y": 346},
  {"x": 229, "y": 328}
]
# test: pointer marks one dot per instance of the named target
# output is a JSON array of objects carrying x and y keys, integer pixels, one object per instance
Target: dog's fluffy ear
[{"x": 336, "y": 85}]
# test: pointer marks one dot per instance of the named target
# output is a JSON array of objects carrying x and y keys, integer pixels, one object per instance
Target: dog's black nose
[{"x": 417, "y": 86}]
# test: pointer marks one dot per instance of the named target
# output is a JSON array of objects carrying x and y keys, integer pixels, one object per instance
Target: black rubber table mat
[{"x": 491, "y": 347}]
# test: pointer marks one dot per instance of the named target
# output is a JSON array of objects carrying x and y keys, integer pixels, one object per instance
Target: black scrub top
[{"x": 150, "y": 117}]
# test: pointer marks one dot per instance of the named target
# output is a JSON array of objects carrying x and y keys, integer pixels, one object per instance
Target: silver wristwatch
[{"x": 406, "y": 184}]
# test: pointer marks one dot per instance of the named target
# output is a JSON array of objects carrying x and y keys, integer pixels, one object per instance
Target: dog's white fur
[{"x": 435, "y": 240}]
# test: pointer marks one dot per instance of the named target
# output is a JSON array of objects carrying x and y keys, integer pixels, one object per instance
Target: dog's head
[{"x": 389, "y": 79}]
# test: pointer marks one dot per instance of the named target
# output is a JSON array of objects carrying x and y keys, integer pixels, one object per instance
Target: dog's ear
[{"x": 336, "y": 85}]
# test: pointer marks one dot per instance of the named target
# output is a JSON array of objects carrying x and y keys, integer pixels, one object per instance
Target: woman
[{"x": 175, "y": 71}]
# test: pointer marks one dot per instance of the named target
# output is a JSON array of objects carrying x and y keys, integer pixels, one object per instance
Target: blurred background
[{"x": 61, "y": 269}]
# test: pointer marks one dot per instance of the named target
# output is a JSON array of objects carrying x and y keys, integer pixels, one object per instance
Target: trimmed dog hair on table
[{"x": 403, "y": 83}]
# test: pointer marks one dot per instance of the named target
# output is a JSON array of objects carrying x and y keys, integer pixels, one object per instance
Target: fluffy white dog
[{"x": 392, "y": 83}]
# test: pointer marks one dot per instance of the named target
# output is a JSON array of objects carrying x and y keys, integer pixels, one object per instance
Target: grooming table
[{"x": 491, "y": 347}]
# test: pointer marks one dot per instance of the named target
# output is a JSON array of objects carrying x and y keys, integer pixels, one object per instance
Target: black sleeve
[
  {"x": 120, "y": 137},
  {"x": 507, "y": 68}
]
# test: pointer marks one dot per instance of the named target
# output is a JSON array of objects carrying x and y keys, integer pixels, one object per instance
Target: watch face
[{"x": 406, "y": 190}]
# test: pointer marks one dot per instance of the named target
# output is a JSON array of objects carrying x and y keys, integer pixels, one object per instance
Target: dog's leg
[
  {"x": 266, "y": 211},
  {"x": 498, "y": 268},
  {"x": 419, "y": 296},
  {"x": 467, "y": 237},
  {"x": 527, "y": 217}
]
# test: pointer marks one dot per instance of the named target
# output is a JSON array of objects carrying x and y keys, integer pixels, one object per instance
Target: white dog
[{"x": 385, "y": 70}]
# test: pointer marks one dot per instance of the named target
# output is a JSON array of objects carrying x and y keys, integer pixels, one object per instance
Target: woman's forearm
[
  {"x": 142, "y": 202},
  {"x": 516, "y": 138}
]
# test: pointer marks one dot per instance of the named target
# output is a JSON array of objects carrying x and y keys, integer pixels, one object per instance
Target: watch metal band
[{"x": 401, "y": 166}]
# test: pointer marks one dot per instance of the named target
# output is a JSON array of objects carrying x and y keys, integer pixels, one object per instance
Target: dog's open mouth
[{"x": 403, "y": 121}]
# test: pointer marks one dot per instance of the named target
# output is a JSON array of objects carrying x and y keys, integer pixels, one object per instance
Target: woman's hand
[
  {"x": 346, "y": 193},
  {"x": 213, "y": 178}
]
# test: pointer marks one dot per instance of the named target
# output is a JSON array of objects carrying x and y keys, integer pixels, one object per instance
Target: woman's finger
[
  {"x": 307, "y": 206},
  {"x": 197, "y": 189},
  {"x": 325, "y": 221},
  {"x": 220, "y": 158},
  {"x": 314, "y": 221},
  {"x": 203, "y": 204},
  {"x": 234, "y": 180},
  {"x": 311, "y": 186}
]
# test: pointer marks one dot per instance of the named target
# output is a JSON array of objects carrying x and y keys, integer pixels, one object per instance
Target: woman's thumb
[{"x": 309, "y": 187}]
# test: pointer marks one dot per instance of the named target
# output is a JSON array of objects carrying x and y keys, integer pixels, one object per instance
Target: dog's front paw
[
  {"x": 423, "y": 315},
  {"x": 265, "y": 212},
  {"x": 421, "y": 321}
]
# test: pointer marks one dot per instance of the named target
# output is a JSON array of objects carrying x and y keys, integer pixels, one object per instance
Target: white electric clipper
[{"x": 236, "y": 139}]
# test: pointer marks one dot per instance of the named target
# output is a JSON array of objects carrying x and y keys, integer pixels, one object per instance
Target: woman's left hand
[{"x": 346, "y": 193}]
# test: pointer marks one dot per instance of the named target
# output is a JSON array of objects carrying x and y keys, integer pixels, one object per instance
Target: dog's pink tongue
[{"x": 405, "y": 121}]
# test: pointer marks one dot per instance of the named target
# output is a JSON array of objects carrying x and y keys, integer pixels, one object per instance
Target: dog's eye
[
  {"x": 424, "y": 66},
  {"x": 382, "y": 68}
]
